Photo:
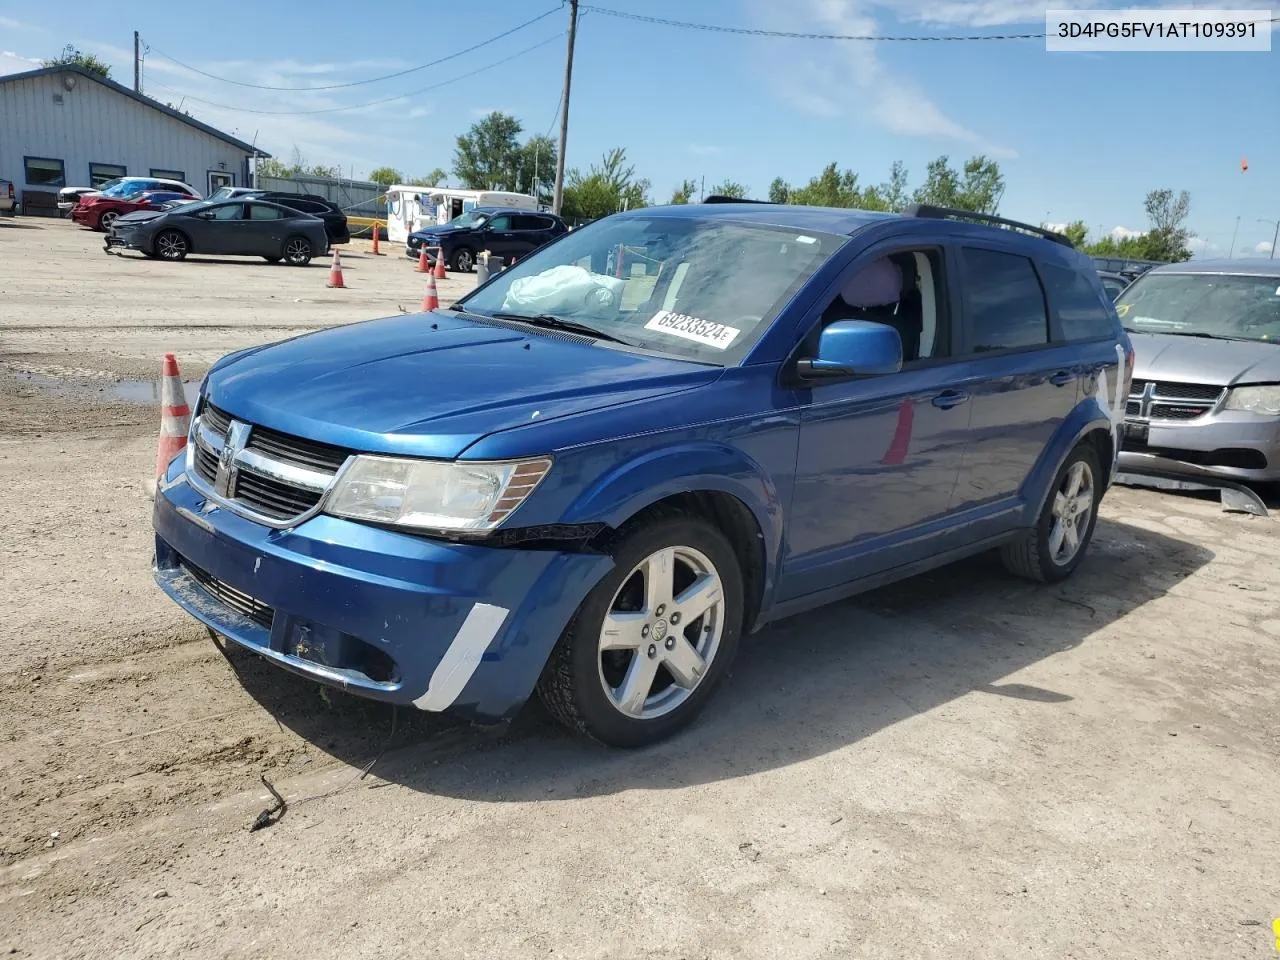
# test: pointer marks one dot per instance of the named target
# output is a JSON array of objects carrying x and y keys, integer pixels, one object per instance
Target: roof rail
[
  {"x": 946, "y": 213},
  {"x": 719, "y": 198}
]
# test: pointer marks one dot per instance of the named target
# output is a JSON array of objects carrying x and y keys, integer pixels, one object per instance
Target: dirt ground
[{"x": 962, "y": 766}]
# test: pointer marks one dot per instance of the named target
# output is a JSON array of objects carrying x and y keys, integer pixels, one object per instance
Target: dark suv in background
[
  {"x": 335, "y": 221},
  {"x": 506, "y": 233}
]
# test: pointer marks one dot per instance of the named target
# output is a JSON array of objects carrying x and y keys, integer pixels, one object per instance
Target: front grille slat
[
  {"x": 268, "y": 497},
  {"x": 229, "y": 596}
]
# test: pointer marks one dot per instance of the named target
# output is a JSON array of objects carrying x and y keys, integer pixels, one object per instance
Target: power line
[
  {"x": 789, "y": 35},
  {"x": 357, "y": 83},
  {"x": 371, "y": 103}
]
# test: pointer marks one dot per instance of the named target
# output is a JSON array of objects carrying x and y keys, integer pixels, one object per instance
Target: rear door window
[
  {"x": 1004, "y": 301},
  {"x": 1079, "y": 309}
]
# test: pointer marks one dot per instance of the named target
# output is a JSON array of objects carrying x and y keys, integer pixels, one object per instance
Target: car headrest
[{"x": 877, "y": 284}]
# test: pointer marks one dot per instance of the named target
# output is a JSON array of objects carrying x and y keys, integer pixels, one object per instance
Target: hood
[
  {"x": 431, "y": 385},
  {"x": 139, "y": 216},
  {"x": 438, "y": 231},
  {"x": 1197, "y": 360}
]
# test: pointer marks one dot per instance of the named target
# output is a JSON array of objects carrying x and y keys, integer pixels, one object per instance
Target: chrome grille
[
  {"x": 1165, "y": 400},
  {"x": 229, "y": 596},
  {"x": 274, "y": 477}
]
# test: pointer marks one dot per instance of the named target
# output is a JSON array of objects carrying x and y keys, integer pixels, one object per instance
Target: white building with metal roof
[{"x": 66, "y": 126}]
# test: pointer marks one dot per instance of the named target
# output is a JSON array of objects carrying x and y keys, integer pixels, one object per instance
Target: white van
[{"x": 412, "y": 208}]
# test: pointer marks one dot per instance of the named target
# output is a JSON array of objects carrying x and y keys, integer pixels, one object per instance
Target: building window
[
  {"x": 44, "y": 172},
  {"x": 169, "y": 174},
  {"x": 100, "y": 173}
]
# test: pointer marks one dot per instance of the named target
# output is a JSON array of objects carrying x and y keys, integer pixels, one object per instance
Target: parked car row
[{"x": 98, "y": 209}]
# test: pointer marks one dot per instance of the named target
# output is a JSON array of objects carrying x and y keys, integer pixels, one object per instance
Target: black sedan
[{"x": 237, "y": 228}]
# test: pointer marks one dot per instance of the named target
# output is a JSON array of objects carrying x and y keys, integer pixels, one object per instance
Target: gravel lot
[{"x": 961, "y": 766}]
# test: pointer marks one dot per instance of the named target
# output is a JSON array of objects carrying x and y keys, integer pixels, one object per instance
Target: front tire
[
  {"x": 463, "y": 260},
  {"x": 1053, "y": 549},
  {"x": 171, "y": 245},
  {"x": 647, "y": 648}
]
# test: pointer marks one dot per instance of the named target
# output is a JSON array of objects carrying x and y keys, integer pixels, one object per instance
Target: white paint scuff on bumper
[{"x": 463, "y": 657}]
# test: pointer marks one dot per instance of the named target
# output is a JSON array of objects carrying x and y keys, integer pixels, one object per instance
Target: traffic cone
[
  {"x": 439, "y": 272},
  {"x": 335, "y": 271},
  {"x": 422, "y": 260},
  {"x": 376, "y": 252},
  {"x": 175, "y": 416},
  {"x": 431, "y": 301}
]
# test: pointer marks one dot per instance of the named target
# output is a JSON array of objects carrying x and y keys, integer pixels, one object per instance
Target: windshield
[
  {"x": 472, "y": 218},
  {"x": 702, "y": 290},
  {"x": 122, "y": 189},
  {"x": 1230, "y": 306}
]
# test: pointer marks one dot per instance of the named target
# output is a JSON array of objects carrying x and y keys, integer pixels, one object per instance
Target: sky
[{"x": 1078, "y": 135}]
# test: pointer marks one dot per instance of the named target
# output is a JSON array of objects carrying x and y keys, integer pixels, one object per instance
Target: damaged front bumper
[
  {"x": 1161, "y": 473},
  {"x": 386, "y": 615}
]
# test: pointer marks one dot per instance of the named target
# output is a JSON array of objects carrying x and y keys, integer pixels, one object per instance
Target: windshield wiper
[
  {"x": 552, "y": 322},
  {"x": 1199, "y": 335}
]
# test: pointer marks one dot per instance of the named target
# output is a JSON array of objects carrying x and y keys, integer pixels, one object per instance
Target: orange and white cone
[
  {"x": 335, "y": 271},
  {"x": 175, "y": 416},
  {"x": 376, "y": 251},
  {"x": 439, "y": 271},
  {"x": 422, "y": 260},
  {"x": 431, "y": 301}
]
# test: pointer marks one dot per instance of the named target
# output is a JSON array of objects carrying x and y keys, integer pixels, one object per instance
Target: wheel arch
[
  {"x": 1088, "y": 422},
  {"x": 718, "y": 483}
]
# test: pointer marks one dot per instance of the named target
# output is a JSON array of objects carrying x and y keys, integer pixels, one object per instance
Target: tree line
[{"x": 1166, "y": 239}]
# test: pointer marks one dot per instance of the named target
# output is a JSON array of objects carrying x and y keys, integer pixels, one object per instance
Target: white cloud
[
  {"x": 852, "y": 79},
  {"x": 11, "y": 62},
  {"x": 703, "y": 149},
  {"x": 1124, "y": 233},
  {"x": 1263, "y": 247}
]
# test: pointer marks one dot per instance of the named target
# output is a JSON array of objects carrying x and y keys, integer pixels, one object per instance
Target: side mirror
[{"x": 849, "y": 348}]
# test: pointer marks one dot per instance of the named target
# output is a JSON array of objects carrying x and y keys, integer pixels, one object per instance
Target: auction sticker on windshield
[{"x": 692, "y": 328}]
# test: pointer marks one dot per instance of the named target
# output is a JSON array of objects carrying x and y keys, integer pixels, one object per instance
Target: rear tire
[
  {"x": 1052, "y": 550},
  {"x": 297, "y": 251},
  {"x": 106, "y": 220},
  {"x": 648, "y": 646}
]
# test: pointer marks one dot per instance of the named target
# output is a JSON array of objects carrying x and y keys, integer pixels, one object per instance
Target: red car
[{"x": 99, "y": 210}]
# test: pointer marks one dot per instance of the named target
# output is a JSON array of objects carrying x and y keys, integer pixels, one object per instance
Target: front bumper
[
  {"x": 1232, "y": 445},
  {"x": 382, "y": 614}
]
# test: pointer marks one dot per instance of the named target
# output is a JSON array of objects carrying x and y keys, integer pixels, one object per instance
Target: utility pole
[
  {"x": 1231, "y": 253},
  {"x": 558, "y": 200},
  {"x": 137, "y": 63}
]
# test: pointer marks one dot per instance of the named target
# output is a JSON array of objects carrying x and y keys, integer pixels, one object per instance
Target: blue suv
[{"x": 594, "y": 473}]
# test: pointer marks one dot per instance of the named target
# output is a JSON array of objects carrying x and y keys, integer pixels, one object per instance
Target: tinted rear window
[
  {"x": 1005, "y": 301},
  {"x": 1082, "y": 313}
]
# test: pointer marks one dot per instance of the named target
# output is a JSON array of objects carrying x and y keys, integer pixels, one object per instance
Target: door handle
[
  {"x": 948, "y": 399},
  {"x": 1063, "y": 377}
]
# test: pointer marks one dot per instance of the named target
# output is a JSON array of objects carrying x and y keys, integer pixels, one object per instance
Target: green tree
[
  {"x": 604, "y": 189},
  {"x": 978, "y": 188},
  {"x": 297, "y": 167},
  {"x": 386, "y": 176},
  {"x": 729, "y": 188},
  {"x": 536, "y": 168},
  {"x": 71, "y": 57},
  {"x": 831, "y": 188},
  {"x": 1168, "y": 236},
  {"x": 684, "y": 193},
  {"x": 432, "y": 179},
  {"x": 1076, "y": 232},
  {"x": 488, "y": 155},
  {"x": 779, "y": 191}
]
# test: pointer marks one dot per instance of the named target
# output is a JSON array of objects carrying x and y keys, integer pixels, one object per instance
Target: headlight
[
  {"x": 1262, "y": 400},
  {"x": 433, "y": 494}
]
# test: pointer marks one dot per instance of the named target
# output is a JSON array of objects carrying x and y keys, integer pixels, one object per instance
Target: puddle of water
[
  {"x": 147, "y": 391},
  {"x": 130, "y": 391}
]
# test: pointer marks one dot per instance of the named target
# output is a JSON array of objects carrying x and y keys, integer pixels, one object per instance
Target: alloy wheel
[
  {"x": 1072, "y": 507},
  {"x": 661, "y": 633}
]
